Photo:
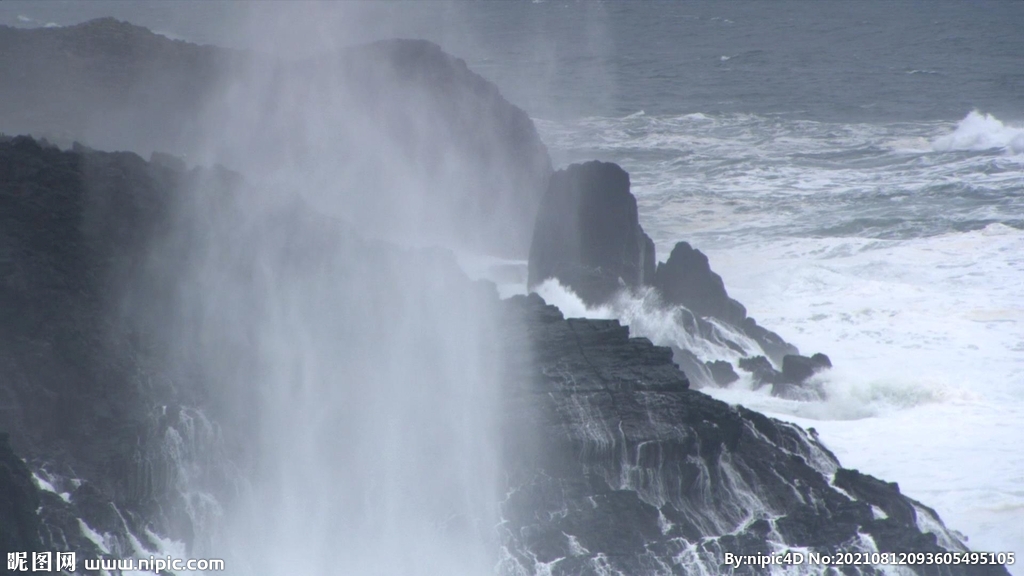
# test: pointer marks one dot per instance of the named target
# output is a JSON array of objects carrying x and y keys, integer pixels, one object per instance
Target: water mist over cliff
[{"x": 362, "y": 377}]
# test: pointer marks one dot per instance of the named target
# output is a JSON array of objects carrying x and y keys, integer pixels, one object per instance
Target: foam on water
[
  {"x": 982, "y": 132},
  {"x": 897, "y": 249},
  {"x": 723, "y": 177},
  {"x": 44, "y": 484}
]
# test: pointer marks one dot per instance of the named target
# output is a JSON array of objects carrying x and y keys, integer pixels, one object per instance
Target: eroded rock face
[
  {"x": 614, "y": 464},
  {"x": 722, "y": 372},
  {"x": 19, "y": 500},
  {"x": 424, "y": 138},
  {"x": 686, "y": 278},
  {"x": 588, "y": 234},
  {"x": 589, "y": 238},
  {"x": 611, "y": 461},
  {"x": 792, "y": 380},
  {"x": 109, "y": 268},
  {"x": 83, "y": 392}
]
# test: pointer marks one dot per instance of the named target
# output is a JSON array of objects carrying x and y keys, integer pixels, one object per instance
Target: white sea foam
[
  {"x": 95, "y": 537},
  {"x": 44, "y": 484},
  {"x": 927, "y": 342},
  {"x": 871, "y": 243},
  {"x": 982, "y": 132}
]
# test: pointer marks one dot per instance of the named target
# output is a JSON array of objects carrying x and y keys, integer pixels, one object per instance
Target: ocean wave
[
  {"x": 646, "y": 315},
  {"x": 979, "y": 131},
  {"x": 849, "y": 396}
]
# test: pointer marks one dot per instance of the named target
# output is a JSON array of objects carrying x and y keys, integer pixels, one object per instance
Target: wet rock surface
[
  {"x": 618, "y": 466},
  {"x": 722, "y": 372},
  {"x": 19, "y": 500},
  {"x": 588, "y": 236},
  {"x": 85, "y": 399},
  {"x": 611, "y": 460}
]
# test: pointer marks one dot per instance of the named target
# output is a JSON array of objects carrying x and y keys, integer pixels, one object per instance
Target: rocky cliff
[
  {"x": 471, "y": 161},
  {"x": 588, "y": 237},
  {"x": 621, "y": 468},
  {"x": 610, "y": 461},
  {"x": 118, "y": 427}
]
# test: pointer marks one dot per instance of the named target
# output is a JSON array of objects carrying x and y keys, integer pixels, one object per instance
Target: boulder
[
  {"x": 588, "y": 235},
  {"x": 722, "y": 372},
  {"x": 761, "y": 370},
  {"x": 791, "y": 381},
  {"x": 796, "y": 368}
]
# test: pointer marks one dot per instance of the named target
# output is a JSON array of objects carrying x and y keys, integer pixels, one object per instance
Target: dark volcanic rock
[
  {"x": 107, "y": 374},
  {"x": 19, "y": 499},
  {"x": 686, "y": 278},
  {"x": 588, "y": 235},
  {"x": 83, "y": 392},
  {"x": 790, "y": 382},
  {"x": 615, "y": 465},
  {"x": 722, "y": 372},
  {"x": 762, "y": 370},
  {"x": 612, "y": 462},
  {"x": 470, "y": 161},
  {"x": 796, "y": 368}
]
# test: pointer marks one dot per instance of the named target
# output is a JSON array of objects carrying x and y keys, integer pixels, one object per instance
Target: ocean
[{"x": 854, "y": 171}]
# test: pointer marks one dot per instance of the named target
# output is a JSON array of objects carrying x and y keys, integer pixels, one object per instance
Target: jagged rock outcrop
[
  {"x": 471, "y": 163},
  {"x": 796, "y": 368},
  {"x": 722, "y": 372},
  {"x": 588, "y": 234},
  {"x": 761, "y": 370},
  {"x": 686, "y": 278},
  {"x": 791, "y": 381},
  {"x": 615, "y": 466},
  {"x": 19, "y": 500},
  {"x": 611, "y": 460}
]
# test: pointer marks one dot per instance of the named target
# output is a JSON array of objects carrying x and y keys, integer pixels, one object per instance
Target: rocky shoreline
[
  {"x": 589, "y": 238},
  {"x": 612, "y": 459}
]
